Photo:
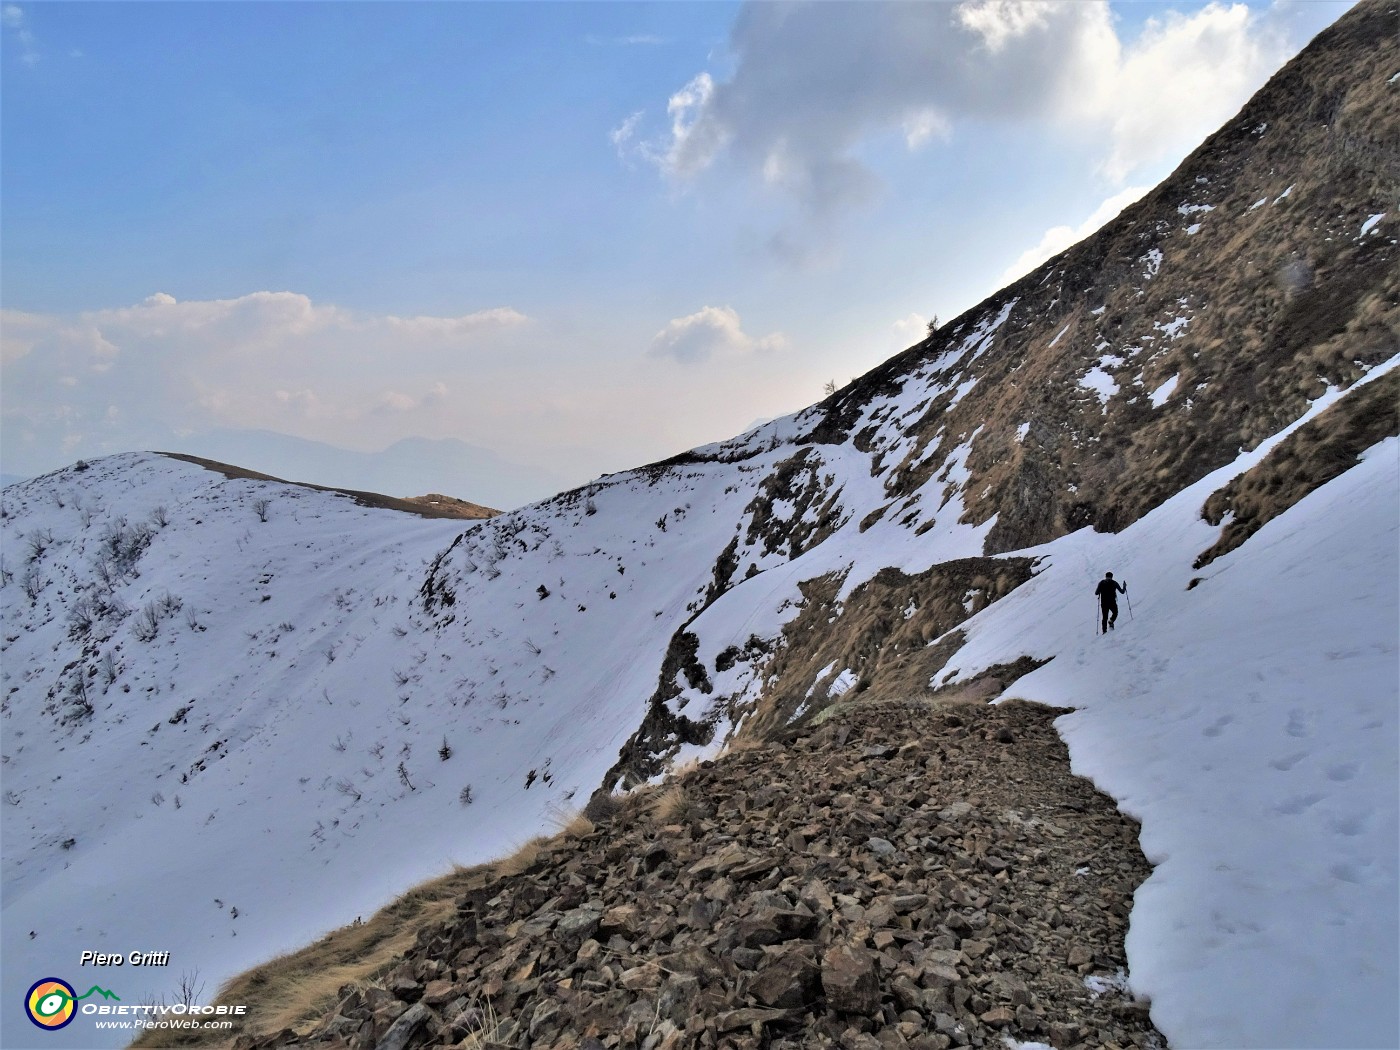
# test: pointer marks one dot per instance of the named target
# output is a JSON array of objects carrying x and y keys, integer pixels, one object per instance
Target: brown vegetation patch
[
  {"x": 1280, "y": 292},
  {"x": 432, "y": 505},
  {"x": 1307, "y": 459},
  {"x": 887, "y": 632}
]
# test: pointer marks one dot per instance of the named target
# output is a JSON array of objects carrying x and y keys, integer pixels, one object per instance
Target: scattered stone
[
  {"x": 880, "y": 883},
  {"x": 402, "y": 1030},
  {"x": 849, "y": 980}
]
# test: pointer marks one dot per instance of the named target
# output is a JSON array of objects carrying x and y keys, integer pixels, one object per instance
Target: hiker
[{"x": 1108, "y": 591}]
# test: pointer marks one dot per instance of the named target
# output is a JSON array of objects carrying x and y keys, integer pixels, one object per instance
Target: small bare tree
[{"x": 39, "y": 541}]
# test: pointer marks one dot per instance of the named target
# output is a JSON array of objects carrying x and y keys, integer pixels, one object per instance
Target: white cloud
[
  {"x": 914, "y": 327},
  {"x": 451, "y": 327},
  {"x": 1058, "y": 238},
  {"x": 569, "y": 398},
  {"x": 688, "y": 154},
  {"x": 397, "y": 401},
  {"x": 924, "y": 124},
  {"x": 712, "y": 331},
  {"x": 304, "y": 402},
  {"x": 1184, "y": 77},
  {"x": 632, "y": 40},
  {"x": 266, "y": 360},
  {"x": 13, "y": 19},
  {"x": 999, "y": 21},
  {"x": 812, "y": 83},
  {"x": 622, "y": 135}
]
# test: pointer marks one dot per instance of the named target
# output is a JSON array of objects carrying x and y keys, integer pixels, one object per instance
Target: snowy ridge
[{"x": 285, "y": 721}]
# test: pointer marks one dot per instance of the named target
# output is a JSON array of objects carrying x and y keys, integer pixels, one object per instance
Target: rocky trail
[{"x": 900, "y": 875}]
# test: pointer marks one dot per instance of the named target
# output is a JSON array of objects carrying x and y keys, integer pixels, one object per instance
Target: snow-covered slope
[
  {"x": 238, "y": 713},
  {"x": 273, "y": 744},
  {"x": 224, "y": 734}
]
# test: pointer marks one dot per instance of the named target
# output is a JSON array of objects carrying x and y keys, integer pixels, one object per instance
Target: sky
[{"x": 582, "y": 236}]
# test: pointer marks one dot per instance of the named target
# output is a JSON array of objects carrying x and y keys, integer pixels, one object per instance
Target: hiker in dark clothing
[{"x": 1108, "y": 591}]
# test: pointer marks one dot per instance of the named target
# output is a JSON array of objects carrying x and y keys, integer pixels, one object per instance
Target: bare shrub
[
  {"x": 147, "y": 624},
  {"x": 261, "y": 507},
  {"x": 80, "y": 617},
  {"x": 122, "y": 546},
  {"x": 39, "y": 542}
]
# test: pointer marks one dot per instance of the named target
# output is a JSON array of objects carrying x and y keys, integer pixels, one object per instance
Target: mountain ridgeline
[
  {"x": 1202, "y": 320},
  {"x": 299, "y": 702}
]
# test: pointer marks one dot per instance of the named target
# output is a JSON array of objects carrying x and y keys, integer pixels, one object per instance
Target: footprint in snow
[
  {"x": 1298, "y": 804},
  {"x": 1351, "y": 825},
  {"x": 1346, "y": 872},
  {"x": 1218, "y": 726}
]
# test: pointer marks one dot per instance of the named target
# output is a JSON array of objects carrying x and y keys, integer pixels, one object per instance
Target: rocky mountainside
[
  {"x": 289, "y": 705},
  {"x": 1201, "y": 321},
  {"x": 901, "y": 876}
]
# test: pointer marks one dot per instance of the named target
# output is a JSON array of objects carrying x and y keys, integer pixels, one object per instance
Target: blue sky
[{"x": 588, "y": 234}]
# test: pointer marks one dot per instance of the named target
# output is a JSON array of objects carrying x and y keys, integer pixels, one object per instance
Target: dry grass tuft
[
  {"x": 294, "y": 989},
  {"x": 671, "y": 805},
  {"x": 483, "y": 1025},
  {"x": 570, "y": 824},
  {"x": 578, "y": 827},
  {"x": 522, "y": 860}
]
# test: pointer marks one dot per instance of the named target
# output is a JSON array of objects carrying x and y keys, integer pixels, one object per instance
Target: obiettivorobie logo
[{"x": 52, "y": 1003}]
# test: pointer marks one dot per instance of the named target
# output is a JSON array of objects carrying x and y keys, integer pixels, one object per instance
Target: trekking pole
[{"x": 1130, "y": 602}]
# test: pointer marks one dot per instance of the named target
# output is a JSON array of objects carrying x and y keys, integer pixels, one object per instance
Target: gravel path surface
[{"x": 899, "y": 876}]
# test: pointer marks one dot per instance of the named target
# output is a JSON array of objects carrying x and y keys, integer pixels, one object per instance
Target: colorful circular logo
[{"x": 50, "y": 1004}]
